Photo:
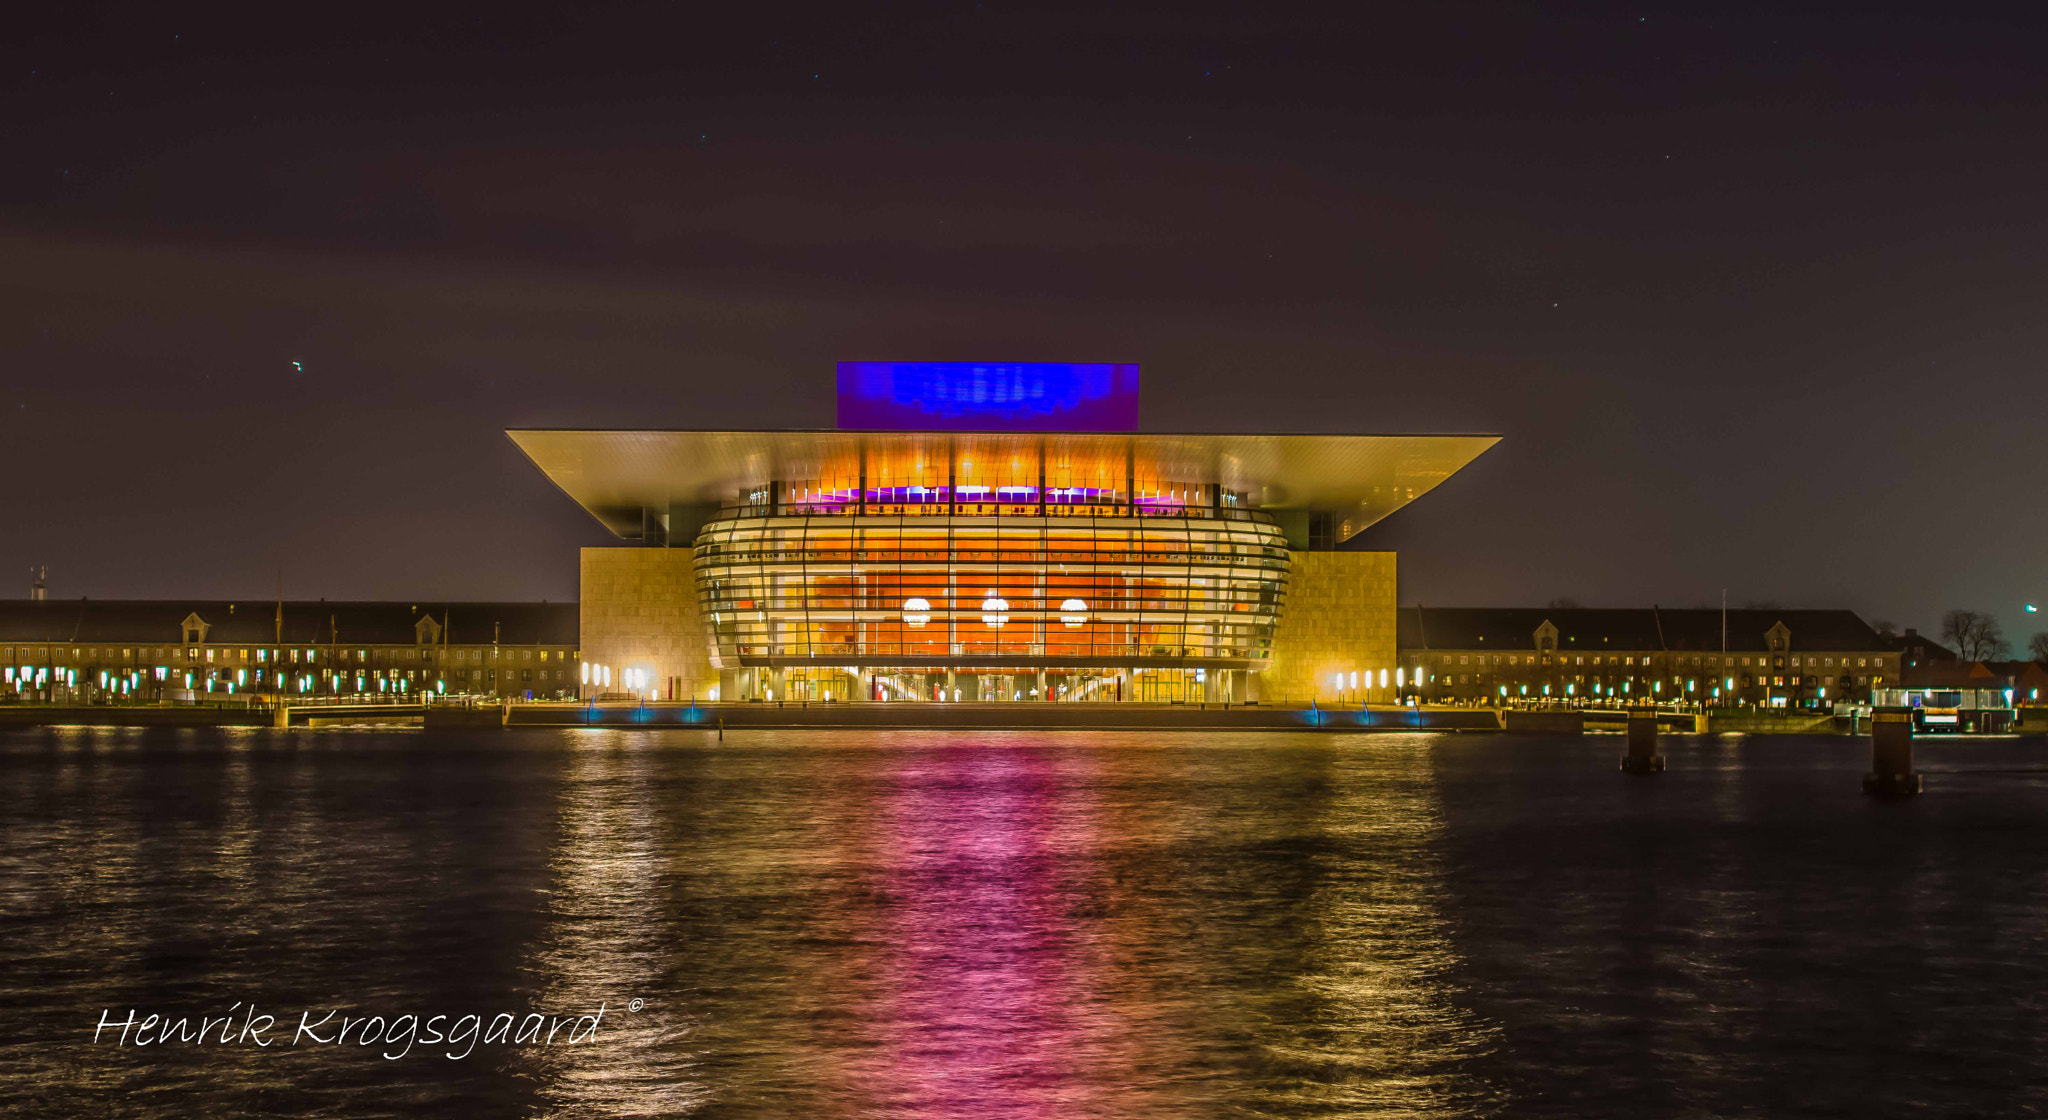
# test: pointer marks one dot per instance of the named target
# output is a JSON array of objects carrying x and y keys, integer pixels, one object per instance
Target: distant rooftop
[
  {"x": 306, "y": 622},
  {"x": 1632, "y": 628}
]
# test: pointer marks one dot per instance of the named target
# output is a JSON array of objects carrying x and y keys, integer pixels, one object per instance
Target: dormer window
[{"x": 1778, "y": 638}]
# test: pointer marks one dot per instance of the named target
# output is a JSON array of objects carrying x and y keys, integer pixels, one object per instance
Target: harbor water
[{"x": 1018, "y": 924}]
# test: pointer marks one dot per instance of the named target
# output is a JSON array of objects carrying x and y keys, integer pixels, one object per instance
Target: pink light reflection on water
[{"x": 991, "y": 1000}]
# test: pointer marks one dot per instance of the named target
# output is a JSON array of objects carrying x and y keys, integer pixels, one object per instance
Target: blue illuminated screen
[{"x": 989, "y": 396}]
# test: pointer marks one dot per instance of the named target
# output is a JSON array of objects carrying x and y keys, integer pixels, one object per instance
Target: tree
[
  {"x": 2037, "y": 647},
  {"x": 1975, "y": 635},
  {"x": 1886, "y": 628}
]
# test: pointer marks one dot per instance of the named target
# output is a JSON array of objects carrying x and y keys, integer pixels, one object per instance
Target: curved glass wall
[{"x": 1166, "y": 586}]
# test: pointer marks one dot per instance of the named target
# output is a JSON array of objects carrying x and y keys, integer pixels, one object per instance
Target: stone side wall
[
  {"x": 1338, "y": 618},
  {"x": 639, "y": 610}
]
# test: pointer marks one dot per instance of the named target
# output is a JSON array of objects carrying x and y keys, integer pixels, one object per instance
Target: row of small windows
[
  {"x": 266, "y": 655},
  {"x": 459, "y": 674},
  {"x": 1645, "y": 660},
  {"x": 1747, "y": 680}
]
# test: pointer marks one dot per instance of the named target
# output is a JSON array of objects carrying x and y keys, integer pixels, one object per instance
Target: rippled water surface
[{"x": 1026, "y": 924}]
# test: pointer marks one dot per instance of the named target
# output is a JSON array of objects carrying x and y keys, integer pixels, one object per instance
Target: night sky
[{"x": 1755, "y": 294}]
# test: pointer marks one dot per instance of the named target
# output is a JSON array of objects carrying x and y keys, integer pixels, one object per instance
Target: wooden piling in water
[
  {"x": 1642, "y": 756},
  {"x": 1891, "y": 754}
]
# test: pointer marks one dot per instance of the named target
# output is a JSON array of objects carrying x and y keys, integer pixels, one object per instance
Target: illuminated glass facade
[
  {"x": 893, "y": 589},
  {"x": 1056, "y": 588}
]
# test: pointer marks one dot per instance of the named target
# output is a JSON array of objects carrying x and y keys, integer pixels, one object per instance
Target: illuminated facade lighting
[{"x": 1004, "y": 523}]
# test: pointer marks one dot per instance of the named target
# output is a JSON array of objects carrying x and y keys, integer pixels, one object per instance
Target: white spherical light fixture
[
  {"x": 1073, "y": 612},
  {"x": 994, "y": 612},
  {"x": 916, "y": 612}
]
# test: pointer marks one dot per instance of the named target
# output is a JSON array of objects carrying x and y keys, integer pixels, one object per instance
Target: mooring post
[
  {"x": 721, "y": 729},
  {"x": 1891, "y": 754},
  {"x": 1642, "y": 756}
]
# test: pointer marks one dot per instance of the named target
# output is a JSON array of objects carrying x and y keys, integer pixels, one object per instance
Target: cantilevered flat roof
[{"x": 1358, "y": 479}]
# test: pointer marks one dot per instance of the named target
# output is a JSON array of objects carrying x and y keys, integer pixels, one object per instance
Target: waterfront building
[
  {"x": 1765, "y": 658},
  {"x": 87, "y": 650},
  {"x": 1949, "y": 694},
  {"x": 1023, "y": 543}
]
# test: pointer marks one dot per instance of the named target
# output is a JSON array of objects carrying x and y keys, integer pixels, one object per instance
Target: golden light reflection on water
[
  {"x": 923, "y": 927},
  {"x": 608, "y": 942},
  {"x": 1377, "y": 1028}
]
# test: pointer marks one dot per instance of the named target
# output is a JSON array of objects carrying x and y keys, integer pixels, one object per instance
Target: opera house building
[{"x": 983, "y": 532}]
